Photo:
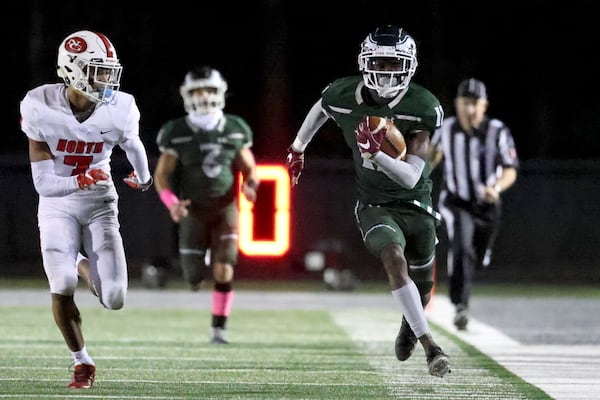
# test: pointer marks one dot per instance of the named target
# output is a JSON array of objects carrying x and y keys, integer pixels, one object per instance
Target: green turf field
[{"x": 295, "y": 354}]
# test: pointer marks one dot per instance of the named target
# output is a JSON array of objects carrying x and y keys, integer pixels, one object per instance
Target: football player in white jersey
[{"x": 72, "y": 128}]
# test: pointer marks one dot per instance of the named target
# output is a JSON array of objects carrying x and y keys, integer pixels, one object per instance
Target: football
[{"x": 393, "y": 143}]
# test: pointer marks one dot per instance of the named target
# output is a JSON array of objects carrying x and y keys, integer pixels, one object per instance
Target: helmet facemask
[
  {"x": 388, "y": 61},
  {"x": 103, "y": 81},
  {"x": 203, "y": 102},
  {"x": 208, "y": 101},
  {"x": 87, "y": 62}
]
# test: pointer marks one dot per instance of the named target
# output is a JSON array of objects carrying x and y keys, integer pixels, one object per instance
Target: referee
[{"x": 479, "y": 163}]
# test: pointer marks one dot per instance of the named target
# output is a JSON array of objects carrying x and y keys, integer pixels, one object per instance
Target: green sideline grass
[{"x": 294, "y": 354}]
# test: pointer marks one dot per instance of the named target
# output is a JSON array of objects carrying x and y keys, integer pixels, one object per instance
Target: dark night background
[{"x": 537, "y": 60}]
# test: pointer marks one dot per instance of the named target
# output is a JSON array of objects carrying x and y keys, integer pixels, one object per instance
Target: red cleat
[{"x": 83, "y": 377}]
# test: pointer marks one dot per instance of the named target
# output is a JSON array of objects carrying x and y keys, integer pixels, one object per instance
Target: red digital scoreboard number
[{"x": 274, "y": 192}]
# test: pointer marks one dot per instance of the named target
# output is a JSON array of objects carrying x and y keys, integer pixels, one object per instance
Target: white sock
[
  {"x": 82, "y": 357},
  {"x": 410, "y": 302}
]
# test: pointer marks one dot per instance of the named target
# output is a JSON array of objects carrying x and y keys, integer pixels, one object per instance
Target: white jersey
[
  {"x": 84, "y": 218},
  {"x": 78, "y": 146}
]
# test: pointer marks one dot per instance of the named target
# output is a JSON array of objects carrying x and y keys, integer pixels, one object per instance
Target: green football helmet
[{"x": 388, "y": 60}]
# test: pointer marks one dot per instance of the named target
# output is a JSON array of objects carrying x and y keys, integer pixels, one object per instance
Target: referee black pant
[{"x": 471, "y": 231}]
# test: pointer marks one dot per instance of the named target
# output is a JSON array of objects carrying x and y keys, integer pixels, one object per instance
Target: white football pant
[{"x": 88, "y": 218}]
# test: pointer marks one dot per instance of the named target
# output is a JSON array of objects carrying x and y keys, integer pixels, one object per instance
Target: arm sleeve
[
  {"x": 405, "y": 173},
  {"x": 313, "y": 121},
  {"x": 136, "y": 154},
  {"x": 48, "y": 184},
  {"x": 131, "y": 128}
]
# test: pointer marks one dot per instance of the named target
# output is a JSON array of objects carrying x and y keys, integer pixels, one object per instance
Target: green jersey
[
  {"x": 417, "y": 109},
  {"x": 205, "y": 172}
]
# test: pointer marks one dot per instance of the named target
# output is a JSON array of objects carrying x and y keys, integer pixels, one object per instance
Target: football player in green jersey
[
  {"x": 394, "y": 210},
  {"x": 201, "y": 154}
]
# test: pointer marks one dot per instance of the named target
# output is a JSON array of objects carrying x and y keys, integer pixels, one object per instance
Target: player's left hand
[
  {"x": 368, "y": 142},
  {"x": 133, "y": 182}
]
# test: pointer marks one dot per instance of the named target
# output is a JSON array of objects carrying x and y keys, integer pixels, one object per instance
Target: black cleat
[
  {"x": 405, "y": 341},
  {"x": 437, "y": 362},
  {"x": 461, "y": 319}
]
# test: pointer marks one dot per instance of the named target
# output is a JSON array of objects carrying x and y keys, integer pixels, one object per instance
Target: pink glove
[
  {"x": 93, "y": 179},
  {"x": 294, "y": 162},
  {"x": 133, "y": 182},
  {"x": 368, "y": 142}
]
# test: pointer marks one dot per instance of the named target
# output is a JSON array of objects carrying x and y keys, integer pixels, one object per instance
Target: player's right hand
[
  {"x": 294, "y": 162},
  {"x": 93, "y": 179}
]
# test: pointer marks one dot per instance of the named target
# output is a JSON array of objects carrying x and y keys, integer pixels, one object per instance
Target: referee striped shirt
[{"x": 473, "y": 160}]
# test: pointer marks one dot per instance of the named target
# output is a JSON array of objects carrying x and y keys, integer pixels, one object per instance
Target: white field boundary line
[
  {"x": 563, "y": 372},
  {"x": 374, "y": 331}
]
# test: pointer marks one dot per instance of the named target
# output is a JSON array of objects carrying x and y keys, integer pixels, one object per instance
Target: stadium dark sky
[{"x": 537, "y": 60}]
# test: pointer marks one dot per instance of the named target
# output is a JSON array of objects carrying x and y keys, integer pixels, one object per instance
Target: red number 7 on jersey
[{"x": 80, "y": 163}]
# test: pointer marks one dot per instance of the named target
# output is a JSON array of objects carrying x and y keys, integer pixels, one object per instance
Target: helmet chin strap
[
  {"x": 385, "y": 90},
  {"x": 387, "y": 93},
  {"x": 379, "y": 99}
]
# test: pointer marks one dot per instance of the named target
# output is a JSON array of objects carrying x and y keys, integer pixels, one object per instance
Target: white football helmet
[
  {"x": 388, "y": 60},
  {"x": 87, "y": 61},
  {"x": 203, "y": 103}
]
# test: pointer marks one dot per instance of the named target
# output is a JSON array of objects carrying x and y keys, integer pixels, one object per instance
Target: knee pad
[
  {"x": 422, "y": 275},
  {"x": 424, "y": 287}
]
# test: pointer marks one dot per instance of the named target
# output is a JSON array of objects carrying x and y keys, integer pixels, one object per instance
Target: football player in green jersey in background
[
  {"x": 394, "y": 210},
  {"x": 201, "y": 154}
]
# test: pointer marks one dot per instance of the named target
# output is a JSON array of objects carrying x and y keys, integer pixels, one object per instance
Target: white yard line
[{"x": 565, "y": 372}]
